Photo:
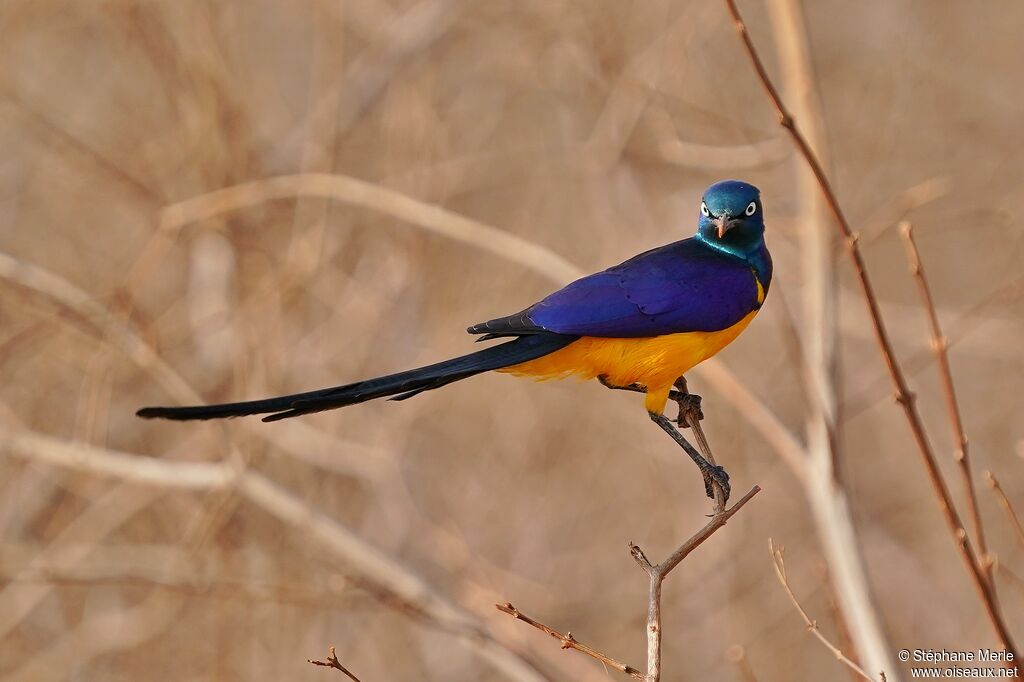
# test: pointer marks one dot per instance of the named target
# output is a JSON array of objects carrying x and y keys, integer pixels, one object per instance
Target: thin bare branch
[
  {"x": 1004, "y": 502},
  {"x": 657, "y": 573},
  {"x": 712, "y": 526},
  {"x": 902, "y": 391},
  {"x": 76, "y": 541},
  {"x": 940, "y": 346},
  {"x": 300, "y": 441},
  {"x": 375, "y": 197},
  {"x": 287, "y": 507},
  {"x": 812, "y": 625},
  {"x": 827, "y": 495},
  {"x": 333, "y": 662},
  {"x": 570, "y": 642}
]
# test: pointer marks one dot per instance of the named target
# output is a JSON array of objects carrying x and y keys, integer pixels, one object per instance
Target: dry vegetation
[{"x": 402, "y": 169}]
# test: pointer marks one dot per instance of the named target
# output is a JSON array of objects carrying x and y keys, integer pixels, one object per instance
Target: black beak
[{"x": 724, "y": 223}]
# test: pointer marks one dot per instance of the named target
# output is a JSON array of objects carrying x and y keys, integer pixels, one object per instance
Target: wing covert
[{"x": 681, "y": 287}]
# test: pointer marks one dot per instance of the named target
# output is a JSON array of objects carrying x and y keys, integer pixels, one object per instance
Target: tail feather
[{"x": 401, "y": 386}]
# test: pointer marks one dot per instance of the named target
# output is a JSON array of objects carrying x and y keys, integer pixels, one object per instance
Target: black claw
[
  {"x": 689, "y": 403},
  {"x": 716, "y": 474}
]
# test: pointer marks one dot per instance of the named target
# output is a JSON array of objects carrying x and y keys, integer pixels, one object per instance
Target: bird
[{"x": 639, "y": 325}]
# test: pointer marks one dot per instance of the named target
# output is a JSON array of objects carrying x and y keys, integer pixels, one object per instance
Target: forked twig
[
  {"x": 656, "y": 574},
  {"x": 812, "y": 625},
  {"x": 940, "y": 346},
  {"x": 333, "y": 662},
  {"x": 570, "y": 642},
  {"x": 903, "y": 394}
]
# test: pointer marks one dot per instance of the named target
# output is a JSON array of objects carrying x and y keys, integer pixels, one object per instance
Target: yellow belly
[{"x": 654, "y": 361}]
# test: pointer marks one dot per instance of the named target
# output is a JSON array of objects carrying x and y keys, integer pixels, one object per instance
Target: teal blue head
[{"x": 732, "y": 218}]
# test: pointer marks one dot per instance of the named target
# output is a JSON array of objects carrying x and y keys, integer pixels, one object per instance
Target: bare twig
[
  {"x": 812, "y": 625},
  {"x": 824, "y": 486},
  {"x": 836, "y": 613},
  {"x": 903, "y": 394},
  {"x": 321, "y": 529},
  {"x": 333, "y": 662},
  {"x": 1004, "y": 502},
  {"x": 940, "y": 346},
  {"x": 657, "y": 573},
  {"x": 88, "y": 313},
  {"x": 570, "y": 642},
  {"x": 369, "y": 195},
  {"x": 985, "y": 331},
  {"x": 104, "y": 514}
]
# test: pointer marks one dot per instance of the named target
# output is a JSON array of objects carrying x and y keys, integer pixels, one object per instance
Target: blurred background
[{"x": 394, "y": 170}]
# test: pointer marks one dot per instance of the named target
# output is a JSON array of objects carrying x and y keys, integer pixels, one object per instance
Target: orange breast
[{"x": 655, "y": 361}]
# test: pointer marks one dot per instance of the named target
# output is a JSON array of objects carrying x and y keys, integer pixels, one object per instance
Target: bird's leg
[
  {"x": 712, "y": 473},
  {"x": 689, "y": 416},
  {"x": 686, "y": 401}
]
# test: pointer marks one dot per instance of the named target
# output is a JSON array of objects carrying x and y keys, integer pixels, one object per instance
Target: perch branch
[
  {"x": 333, "y": 662},
  {"x": 570, "y": 642},
  {"x": 940, "y": 346},
  {"x": 656, "y": 574},
  {"x": 902, "y": 392},
  {"x": 812, "y": 625}
]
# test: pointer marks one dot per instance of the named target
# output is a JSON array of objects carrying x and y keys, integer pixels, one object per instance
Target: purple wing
[{"x": 685, "y": 286}]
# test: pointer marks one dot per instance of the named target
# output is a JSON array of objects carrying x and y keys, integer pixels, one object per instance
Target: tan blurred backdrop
[{"x": 586, "y": 128}]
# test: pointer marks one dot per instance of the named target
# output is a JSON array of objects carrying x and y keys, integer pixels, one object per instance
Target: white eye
[
  {"x": 751, "y": 208},
  {"x": 704, "y": 210}
]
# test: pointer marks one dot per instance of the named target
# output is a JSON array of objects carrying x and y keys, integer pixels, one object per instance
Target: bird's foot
[
  {"x": 716, "y": 474},
  {"x": 712, "y": 473},
  {"x": 689, "y": 404}
]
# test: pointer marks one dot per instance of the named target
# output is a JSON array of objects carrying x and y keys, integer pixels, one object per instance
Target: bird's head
[{"x": 731, "y": 217}]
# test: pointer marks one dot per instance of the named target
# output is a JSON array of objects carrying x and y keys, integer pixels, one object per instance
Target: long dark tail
[{"x": 401, "y": 386}]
